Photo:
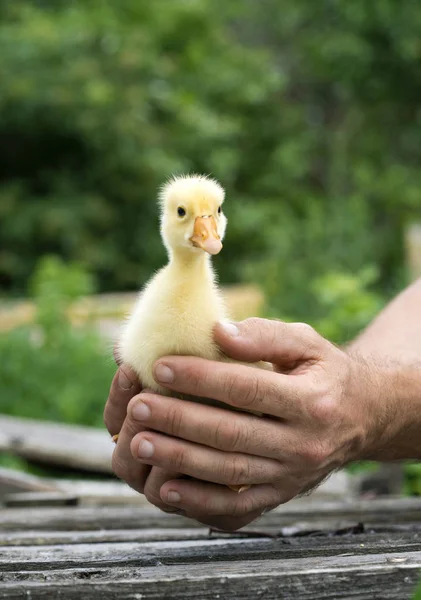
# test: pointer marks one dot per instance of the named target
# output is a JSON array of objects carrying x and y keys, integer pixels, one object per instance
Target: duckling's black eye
[
  {"x": 219, "y": 210},
  {"x": 181, "y": 211}
]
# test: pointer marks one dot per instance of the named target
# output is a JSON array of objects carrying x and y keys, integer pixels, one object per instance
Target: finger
[
  {"x": 124, "y": 386},
  {"x": 244, "y": 387},
  {"x": 201, "y": 462},
  {"x": 277, "y": 342},
  {"x": 124, "y": 465},
  {"x": 218, "y": 506},
  {"x": 156, "y": 479},
  {"x": 214, "y": 427}
]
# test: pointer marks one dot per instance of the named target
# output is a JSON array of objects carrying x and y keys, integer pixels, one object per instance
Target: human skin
[{"x": 324, "y": 407}]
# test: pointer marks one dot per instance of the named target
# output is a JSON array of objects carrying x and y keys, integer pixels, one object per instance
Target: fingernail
[
  {"x": 173, "y": 497},
  {"x": 141, "y": 412},
  {"x": 164, "y": 374},
  {"x": 123, "y": 381},
  {"x": 230, "y": 329},
  {"x": 145, "y": 449}
]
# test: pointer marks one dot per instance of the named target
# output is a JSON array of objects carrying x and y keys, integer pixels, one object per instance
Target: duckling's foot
[{"x": 115, "y": 438}]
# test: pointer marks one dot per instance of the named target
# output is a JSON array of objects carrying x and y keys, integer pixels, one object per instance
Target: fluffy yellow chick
[{"x": 177, "y": 310}]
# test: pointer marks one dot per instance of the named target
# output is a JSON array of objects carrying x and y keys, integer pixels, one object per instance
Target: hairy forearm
[{"x": 391, "y": 350}]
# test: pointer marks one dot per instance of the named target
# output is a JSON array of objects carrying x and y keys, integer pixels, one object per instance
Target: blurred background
[{"x": 307, "y": 112}]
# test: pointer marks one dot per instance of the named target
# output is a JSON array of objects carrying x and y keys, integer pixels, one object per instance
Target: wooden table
[{"x": 356, "y": 550}]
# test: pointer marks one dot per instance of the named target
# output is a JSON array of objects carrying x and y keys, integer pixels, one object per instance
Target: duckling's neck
[
  {"x": 190, "y": 261},
  {"x": 191, "y": 289},
  {"x": 193, "y": 266}
]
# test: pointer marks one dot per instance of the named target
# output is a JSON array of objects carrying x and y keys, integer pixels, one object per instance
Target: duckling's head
[{"x": 191, "y": 215}]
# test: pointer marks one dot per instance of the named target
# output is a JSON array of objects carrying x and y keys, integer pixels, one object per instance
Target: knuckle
[
  {"x": 251, "y": 394},
  {"x": 178, "y": 459},
  {"x": 243, "y": 506},
  {"x": 324, "y": 410},
  {"x": 174, "y": 419},
  {"x": 229, "y": 435},
  {"x": 236, "y": 470},
  {"x": 240, "y": 393},
  {"x": 237, "y": 436},
  {"x": 315, "y": 454},
  {"x": 262, "y": 329},
  {"x": 229, "y": 386},
  {"x": 308, "y": 334}
]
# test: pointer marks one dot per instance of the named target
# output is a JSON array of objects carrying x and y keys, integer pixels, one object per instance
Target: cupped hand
[{"x": 320, "y": 408}]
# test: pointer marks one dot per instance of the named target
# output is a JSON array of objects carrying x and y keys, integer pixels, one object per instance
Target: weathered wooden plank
[
  {"x": 78, "y": 447},
  {"x": 88, "y": 492},
  {"x": 371, "y": 577},
  {"x": 143, "y": 554},
  {"x": 12, "y": 481},
  {"x": 386, "y": 510},
  {"x": 101, "y": 492},
  {"x": 88, "y": 518},
  {"x": 313, "y": 529},
  {"x": 48, "y": 538}
]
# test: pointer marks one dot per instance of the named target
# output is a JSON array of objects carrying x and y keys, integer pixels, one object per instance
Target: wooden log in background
[
  {"x": 79, "y": 447},
  {"x": 107, "y": 310}
]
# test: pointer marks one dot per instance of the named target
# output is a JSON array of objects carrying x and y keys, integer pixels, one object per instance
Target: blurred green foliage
[
  {"x": 346, "y": 303},
  {"x": 413, "y": 479},
  {"x": 417, "y": 593},
  {"x": 307, "y": 112},
  {"x": 53, "y": 370}
]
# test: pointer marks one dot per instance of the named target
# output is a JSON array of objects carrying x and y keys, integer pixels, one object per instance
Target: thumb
[{"x": 277, "y": 342}]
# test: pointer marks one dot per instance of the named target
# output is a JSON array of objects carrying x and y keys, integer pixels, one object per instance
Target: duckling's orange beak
[{"x": 205, "y": 235}]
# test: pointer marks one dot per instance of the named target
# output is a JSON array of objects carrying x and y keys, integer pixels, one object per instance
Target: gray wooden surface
[
  {"x": 310, "y": 550},
  {"x": 77, "y": 447}
]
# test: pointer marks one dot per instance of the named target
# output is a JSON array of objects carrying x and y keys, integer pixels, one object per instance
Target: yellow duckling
[{"x": 177, "y": 310}]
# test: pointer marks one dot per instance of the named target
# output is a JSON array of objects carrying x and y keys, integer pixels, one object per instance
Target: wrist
[{"x": 390, "y": 393}]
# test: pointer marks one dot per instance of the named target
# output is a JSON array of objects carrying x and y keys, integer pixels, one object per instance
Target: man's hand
[
  {"x": 320, "y": 406},
  {"x": 324, "y": 408}
]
